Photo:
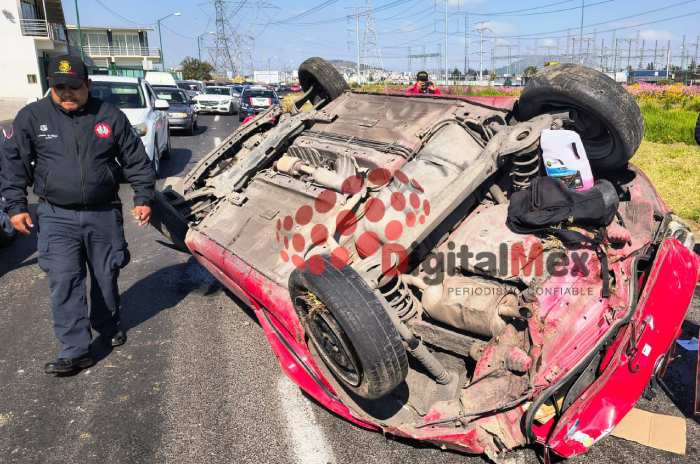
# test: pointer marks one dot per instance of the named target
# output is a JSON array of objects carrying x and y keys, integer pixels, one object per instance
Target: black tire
[
  {"x": 327, "y": 82},
  {"x": 605, "y": 115},
  {"x": 166, "y": 153},
  {"x": 350, "y": 329}
]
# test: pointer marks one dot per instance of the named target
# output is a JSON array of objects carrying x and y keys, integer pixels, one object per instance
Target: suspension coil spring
[
  {"x": 526, "y": 166},
  {"x": 400, "y": 298}
]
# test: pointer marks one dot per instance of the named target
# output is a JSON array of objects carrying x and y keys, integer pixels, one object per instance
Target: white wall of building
[{"x": 18, "y": 57}]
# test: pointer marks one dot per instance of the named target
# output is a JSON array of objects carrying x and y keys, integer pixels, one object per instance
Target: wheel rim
[
  {"x": 329, "y": 338},
  {"x": 597, "y": 139}
]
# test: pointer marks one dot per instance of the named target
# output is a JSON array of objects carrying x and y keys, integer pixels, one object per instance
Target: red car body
[{"x": 635, "y": 347}]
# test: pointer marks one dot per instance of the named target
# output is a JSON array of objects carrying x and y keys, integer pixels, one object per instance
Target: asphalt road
[{"x": 197, "y": 382}]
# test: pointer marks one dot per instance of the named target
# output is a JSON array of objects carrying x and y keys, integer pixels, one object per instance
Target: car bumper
[
  {"x": 252, "y": 111},
  {"x": 180, "y": 123},
  {"x": 223, "y": 108},
  {"x": 639, "y": 351}
]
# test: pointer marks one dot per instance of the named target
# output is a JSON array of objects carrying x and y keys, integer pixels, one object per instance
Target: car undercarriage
[{"x": 369, "y": 234}]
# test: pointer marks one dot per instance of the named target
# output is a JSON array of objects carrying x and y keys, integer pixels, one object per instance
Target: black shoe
[
  {"x": 118, "y": 339},
  {"x": 63, "y": 366}
]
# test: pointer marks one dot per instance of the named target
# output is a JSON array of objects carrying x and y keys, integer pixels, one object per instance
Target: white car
[
  {"x": 217, "y": 99},
  {"x": 146, "y": 113}
]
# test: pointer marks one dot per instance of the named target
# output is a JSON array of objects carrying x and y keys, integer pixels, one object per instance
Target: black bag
[{"x": 549, "y": 202}]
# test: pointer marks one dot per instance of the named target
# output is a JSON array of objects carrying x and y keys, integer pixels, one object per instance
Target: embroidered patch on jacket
[{"x": 103, "y": 130}]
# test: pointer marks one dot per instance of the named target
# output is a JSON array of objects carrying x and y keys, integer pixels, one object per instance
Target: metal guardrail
[
  {"x": 106, "y": 50},
  {"x": 34, "y": 27},
  {"x": 42, "y": 28}
]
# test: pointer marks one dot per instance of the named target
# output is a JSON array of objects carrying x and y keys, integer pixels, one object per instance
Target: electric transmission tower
[
  {"x": 221, "y": 57},
  {"x": 371, "y": 51}
]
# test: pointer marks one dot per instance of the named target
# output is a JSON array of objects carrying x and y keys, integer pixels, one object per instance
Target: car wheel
[
  {"x": 605, "y": 115},
  {"x": 327, "y": 82},
  {"x": 166, "y": 153},
  {"x": 155, "y": 162},
  {"x": 350, "y": 329}
]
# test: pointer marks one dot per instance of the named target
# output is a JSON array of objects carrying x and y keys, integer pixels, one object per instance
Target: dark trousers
[{"x": 72, "y": 242}]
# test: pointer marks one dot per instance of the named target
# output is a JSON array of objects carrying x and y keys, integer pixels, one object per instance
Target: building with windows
[
  {"x": 31, "y": 32},
  {"x": 119, "y": 51}
]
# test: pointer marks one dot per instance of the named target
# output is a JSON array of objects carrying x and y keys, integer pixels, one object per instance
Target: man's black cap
[
  {"x": 422, "y": 76},
  {"x": 68, "y": 70}
]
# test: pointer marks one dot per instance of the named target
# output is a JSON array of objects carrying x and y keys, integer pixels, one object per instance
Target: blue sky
[{"x": 281, "y": 33}]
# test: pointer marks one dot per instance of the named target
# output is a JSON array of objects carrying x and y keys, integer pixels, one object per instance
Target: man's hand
[
  {"x": 22, "y": 223},
  {"x": 142, "y": 214}
]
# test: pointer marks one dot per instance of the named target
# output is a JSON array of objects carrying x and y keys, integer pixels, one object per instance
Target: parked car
[
  {"x": 161, "y": 79},
  {"x": 295, "y": 88},
  {"x": 217, "y": 99},
  {"x": 147, "y": 113},
  {"x": 191, "y": 87},
  {"x": 332, "y": 223},
  {"x": 181, "y": 113},
  {"x": 256, "y": 99}
]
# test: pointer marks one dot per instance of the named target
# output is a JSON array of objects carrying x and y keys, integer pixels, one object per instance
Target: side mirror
[{"x": 162, "y": 104}]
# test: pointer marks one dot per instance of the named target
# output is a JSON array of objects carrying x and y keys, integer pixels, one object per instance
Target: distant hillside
[{"x": 348, "y": 67}]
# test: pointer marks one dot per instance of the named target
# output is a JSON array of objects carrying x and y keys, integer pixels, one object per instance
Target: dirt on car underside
[{"x": 405, "y": 200}]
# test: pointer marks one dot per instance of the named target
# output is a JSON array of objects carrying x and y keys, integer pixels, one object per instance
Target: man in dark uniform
[{"x": 72, "y": 147}]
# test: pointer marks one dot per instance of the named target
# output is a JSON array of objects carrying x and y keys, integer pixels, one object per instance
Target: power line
[
  {"x": 303, "y": 14},
  {"x": 543, "y": 35},
  {"x": 123, "y": 18}
]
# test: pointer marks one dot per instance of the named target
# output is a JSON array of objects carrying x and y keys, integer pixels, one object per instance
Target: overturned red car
[{"x": 369, "y": 235}]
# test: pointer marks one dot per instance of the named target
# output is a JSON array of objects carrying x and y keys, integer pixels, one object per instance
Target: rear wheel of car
[
  {"x": 605, "y": 115},
  {"x": 168, "y": 148},
  {"x": 350, "y": 329},
  {"x": 323, "y": 77}
]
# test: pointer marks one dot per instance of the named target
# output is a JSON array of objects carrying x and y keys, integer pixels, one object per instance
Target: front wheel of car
[
  {"x": 349, "y": 328},
  {"x": 166, "y": 152}
]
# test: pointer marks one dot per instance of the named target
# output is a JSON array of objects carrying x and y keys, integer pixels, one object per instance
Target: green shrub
[{"x": 671, "y": 125}]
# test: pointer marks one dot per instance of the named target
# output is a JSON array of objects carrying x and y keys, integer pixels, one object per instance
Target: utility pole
[
  {"x": 602, "y": 55},
  {"x": 656, "y": 52},
  {"x": 447, "y": 82},
  {"x": 466, "y": 45},
  {"x": 668, "y": 60},
  {"x": 80, "y": 33},
  {"x": 641, "y": 55},
  {"x": 481, "y": 29},
  {"x": 614, "y": 39},
  {"x": 580, "y": 31},
  {"x": 357, "y": 38},
  {"x": 160, "y": 38},
  {"x": 685, "y": 74}
]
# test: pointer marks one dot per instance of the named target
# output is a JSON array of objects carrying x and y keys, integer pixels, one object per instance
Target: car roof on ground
[{"x": 104, "y": 78}]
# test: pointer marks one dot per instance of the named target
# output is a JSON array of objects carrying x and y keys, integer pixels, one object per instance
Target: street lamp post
[{"x": 160, "y": 38}]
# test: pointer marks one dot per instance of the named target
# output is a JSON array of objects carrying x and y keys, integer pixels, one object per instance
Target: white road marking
[
  {"x": 216, "y": 118},
  {"x": 306, "y": 437},
  {"x": 217, "y": 141}
]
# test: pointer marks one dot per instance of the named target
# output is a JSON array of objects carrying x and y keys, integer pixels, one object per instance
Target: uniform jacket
[{"x": 73, "y": 159}]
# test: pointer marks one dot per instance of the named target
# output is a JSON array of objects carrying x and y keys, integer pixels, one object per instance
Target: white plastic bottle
[{"x": 565, "y": 158}]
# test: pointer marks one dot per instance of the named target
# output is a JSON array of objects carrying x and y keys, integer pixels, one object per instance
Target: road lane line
[
  {"x": 217, "y": 141},
  {"x": 306, "y": 437},
  {"x": 216, "y": 118}
]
